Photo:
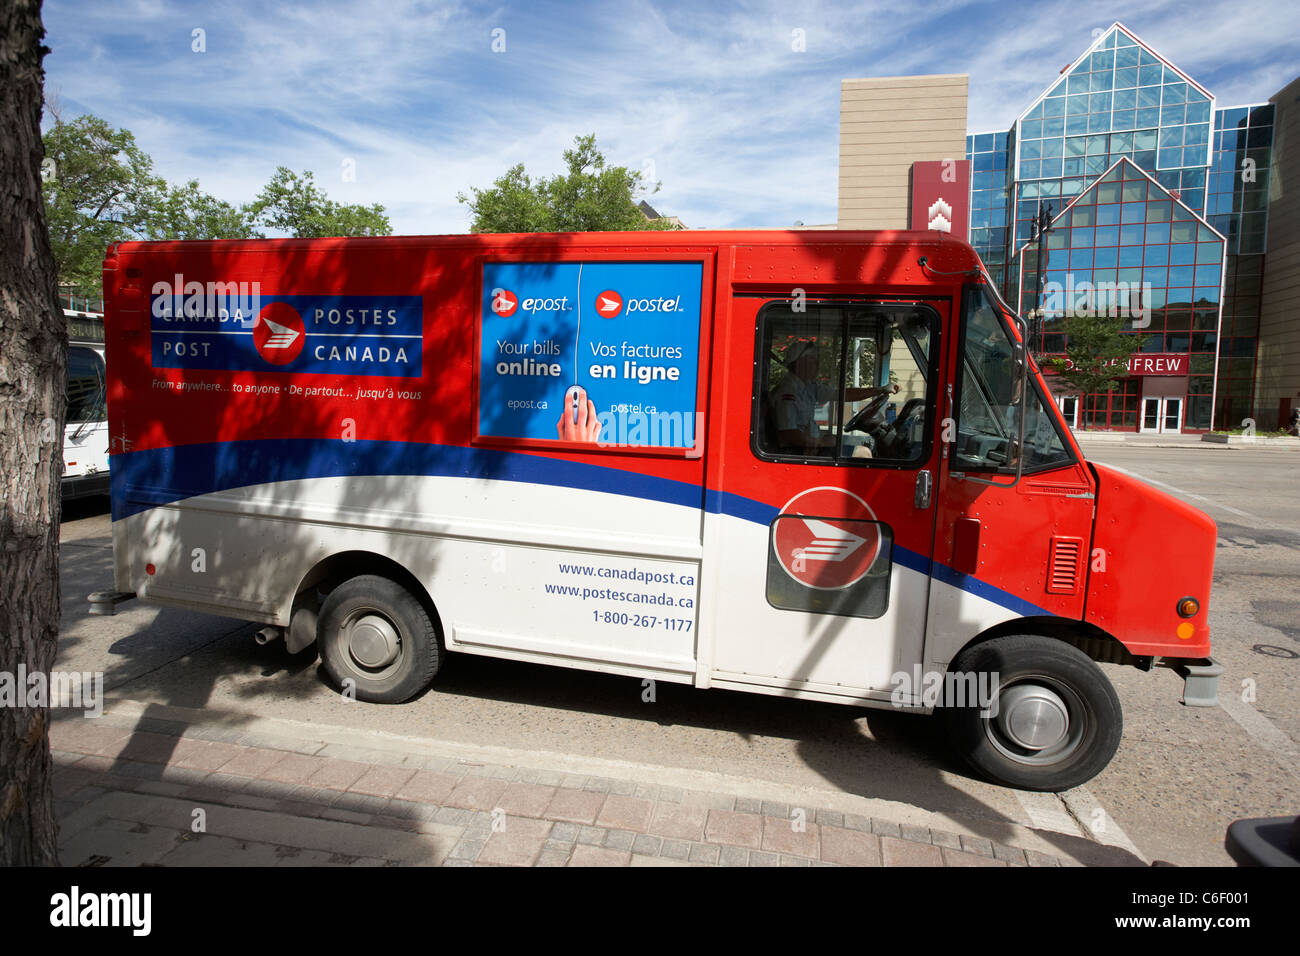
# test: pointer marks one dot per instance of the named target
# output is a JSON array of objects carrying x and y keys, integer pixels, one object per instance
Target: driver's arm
[{"x": 860, "y": 394}]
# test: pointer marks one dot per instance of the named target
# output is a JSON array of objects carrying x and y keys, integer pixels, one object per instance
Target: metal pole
[{"x": 1042, "y": 228}]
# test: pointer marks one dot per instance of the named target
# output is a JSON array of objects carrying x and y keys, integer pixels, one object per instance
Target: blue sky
[{"x": 712, "y": 99}]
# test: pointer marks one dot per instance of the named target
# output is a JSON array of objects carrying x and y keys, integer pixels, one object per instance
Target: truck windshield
[
  {"x": 989, "y": 401},
  {"x": 85, "y": 386}
]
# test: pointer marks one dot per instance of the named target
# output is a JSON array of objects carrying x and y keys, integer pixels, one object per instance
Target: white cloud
[{"x": 741, "y": 128}]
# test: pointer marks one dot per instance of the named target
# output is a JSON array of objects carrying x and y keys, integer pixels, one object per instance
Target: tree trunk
[{"x": 33, "y": 356}]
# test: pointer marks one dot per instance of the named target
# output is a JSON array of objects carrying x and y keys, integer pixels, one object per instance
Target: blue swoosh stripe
[
  {"x": 988, "y": 592},
  {"x": 724, "y": 502},
  {"x": 145, "y": 479}
]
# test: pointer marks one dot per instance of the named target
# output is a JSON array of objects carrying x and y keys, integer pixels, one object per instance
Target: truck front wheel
[
  {"x": 377, "y": 640},
  {"x": 1049, "y": 720}
]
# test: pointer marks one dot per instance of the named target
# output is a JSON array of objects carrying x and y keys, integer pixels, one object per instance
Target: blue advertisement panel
[
  {"x": 599, "y": 352},
  {"x": 332, "y": 335}
]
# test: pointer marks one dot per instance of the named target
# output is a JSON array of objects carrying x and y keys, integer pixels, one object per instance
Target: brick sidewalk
[{"x": 129, "y": 790}]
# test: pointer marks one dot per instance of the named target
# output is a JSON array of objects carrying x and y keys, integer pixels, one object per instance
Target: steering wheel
[
  {"x": 859, "y": 422},
  {"x": 894, "y": 440}
]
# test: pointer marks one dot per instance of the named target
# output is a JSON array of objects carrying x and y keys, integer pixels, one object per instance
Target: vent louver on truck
[{"x": 1065, "y": 566}]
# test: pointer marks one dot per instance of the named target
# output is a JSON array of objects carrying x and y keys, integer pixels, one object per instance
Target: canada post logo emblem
[
  {"x": 609, "y": 304},
  {"x": 365, "y": 335},
  {"x": 279, "y": 333},
  {"x": 504, "y": 302},
  {"x": 826, "y": 538}
]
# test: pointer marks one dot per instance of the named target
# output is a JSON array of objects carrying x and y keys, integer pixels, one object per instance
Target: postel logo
[
  {"x": 279, "y": 333},
  {"x": 609, "y": 303},
  {"x": 826, "y": 538},
  {"x": 504, "y": 302}
]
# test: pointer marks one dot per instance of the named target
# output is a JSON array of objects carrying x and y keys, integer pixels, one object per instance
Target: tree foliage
[
  {"x": 590, "y": 196},
  {"x": 100, "y": 188},
  {"x": 1097, "y": 352},
  {"x": 186, "y": 212},
  {"x": 292, "y": 203}
]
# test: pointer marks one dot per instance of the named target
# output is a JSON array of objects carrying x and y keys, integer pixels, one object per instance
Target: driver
[{"x": 795, "y": 401}]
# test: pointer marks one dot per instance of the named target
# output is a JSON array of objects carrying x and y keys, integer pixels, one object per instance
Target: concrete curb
[
  {"x": 1204, "y": 441},
  {"x": 1252, "y": 441}
]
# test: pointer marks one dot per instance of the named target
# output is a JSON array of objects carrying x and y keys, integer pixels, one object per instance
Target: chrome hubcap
[
  {"x": 372, "y": 641},
  {"x": 1033, "y": 717},
  {"x": 1039, "y": 722}
]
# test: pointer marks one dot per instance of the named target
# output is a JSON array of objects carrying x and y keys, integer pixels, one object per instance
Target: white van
[{"x": 85, "y": 428}]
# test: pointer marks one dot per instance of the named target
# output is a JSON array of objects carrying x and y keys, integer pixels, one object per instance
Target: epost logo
[
  {"x": 504, "y": 302},
  {"x": 821, "y": 540},
  {"x": 279, "y": 333},
  {"x": 609, "y": 304}
]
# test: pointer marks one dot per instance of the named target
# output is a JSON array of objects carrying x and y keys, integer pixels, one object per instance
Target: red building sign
[
  {"x": 1150, "y": 364},
  {"x": 941, "y": 196},
  {"x": 1158, "y": 365}
]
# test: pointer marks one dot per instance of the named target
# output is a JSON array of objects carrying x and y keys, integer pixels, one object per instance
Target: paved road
[{"x": 1181, "y": 775}]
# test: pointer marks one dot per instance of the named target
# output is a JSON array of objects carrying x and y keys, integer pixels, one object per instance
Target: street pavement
[
  {"x": 147, "y": 785},
  {"x": 1181, "y": 775}
]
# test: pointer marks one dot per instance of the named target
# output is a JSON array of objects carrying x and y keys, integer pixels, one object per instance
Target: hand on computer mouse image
[{"x": 578, "y": 421}]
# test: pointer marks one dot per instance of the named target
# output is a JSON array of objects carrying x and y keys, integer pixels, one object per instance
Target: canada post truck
[{"x": 803, "y": 463}]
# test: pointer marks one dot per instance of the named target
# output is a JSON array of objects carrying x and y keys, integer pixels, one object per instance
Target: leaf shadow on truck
[
  {"x": 198, "y": 548},
  {"x": 391, "y": 529}
]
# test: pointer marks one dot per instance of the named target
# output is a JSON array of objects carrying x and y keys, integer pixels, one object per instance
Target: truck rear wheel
[
  {"x": 1057, "y": 720},
  {"x": 376, "y": 635}
]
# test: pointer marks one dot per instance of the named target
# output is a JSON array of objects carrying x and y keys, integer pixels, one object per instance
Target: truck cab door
[
  {"x": 1015, "y": 511},
  {"x": 824, "y": 520}
]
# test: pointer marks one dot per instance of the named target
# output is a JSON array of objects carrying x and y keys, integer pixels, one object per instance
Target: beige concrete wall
[
  {"x": 886, "y": 124},
  {"x": 1278, "y": 366}
]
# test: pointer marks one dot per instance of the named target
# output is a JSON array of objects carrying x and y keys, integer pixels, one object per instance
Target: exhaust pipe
[{"x": 269, "y": 634}]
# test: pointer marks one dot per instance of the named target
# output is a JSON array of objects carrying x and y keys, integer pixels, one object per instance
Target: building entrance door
[
  {"x": 1162, "y": 415},
  {"x": 1173, "y": 416},
  {"x": 1163, "y": 400},
  {"x": 1070, "y": 409}
]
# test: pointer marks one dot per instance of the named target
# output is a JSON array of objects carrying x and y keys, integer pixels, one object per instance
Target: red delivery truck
[{"x": 803, "y": 463}]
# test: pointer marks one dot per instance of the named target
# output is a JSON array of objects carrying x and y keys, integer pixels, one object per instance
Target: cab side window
[{"x": 843, "y": 382}]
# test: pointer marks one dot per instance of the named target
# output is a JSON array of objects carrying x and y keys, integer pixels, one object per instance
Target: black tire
[
  {"x": 363, "y": 622},
  {"x": 1064, "y": 738}
]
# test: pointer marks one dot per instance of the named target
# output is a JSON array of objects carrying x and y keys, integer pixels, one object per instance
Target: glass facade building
[{"x": 1158, "y": 196}]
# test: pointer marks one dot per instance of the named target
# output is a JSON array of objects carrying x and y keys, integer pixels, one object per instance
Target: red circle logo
[
  {"x": 609, "y": 303},
  {"x": 821, "y": 539},
  {"x": 278, "y": 333},
  {"x": 504, "y": 302}
]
